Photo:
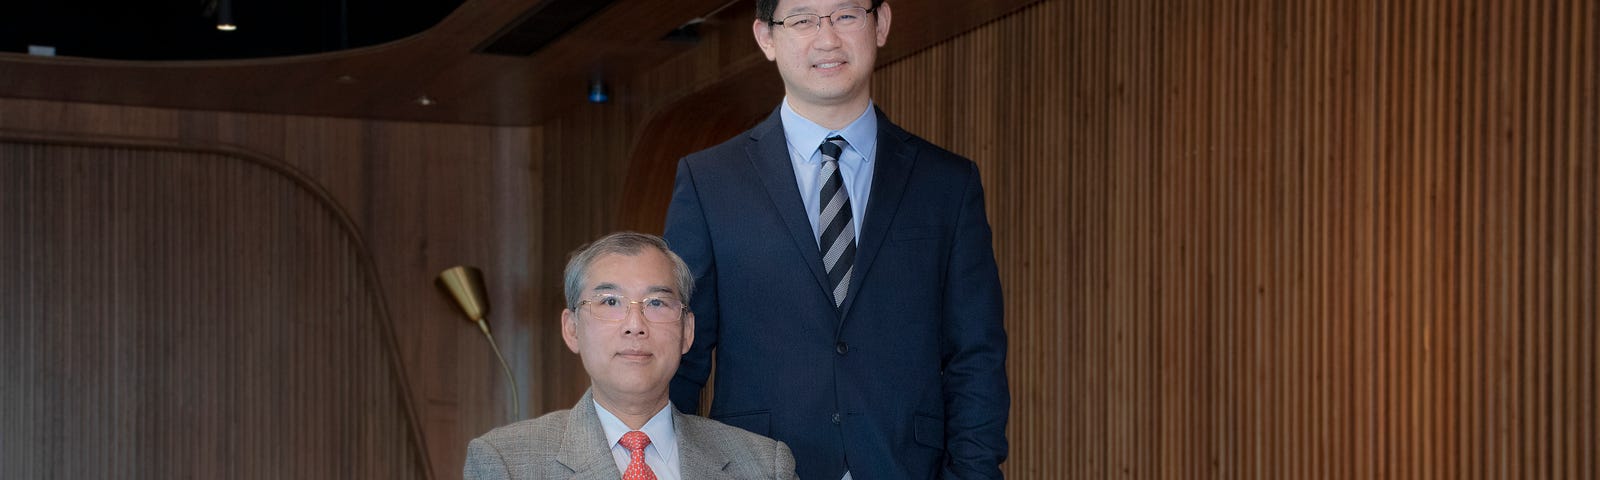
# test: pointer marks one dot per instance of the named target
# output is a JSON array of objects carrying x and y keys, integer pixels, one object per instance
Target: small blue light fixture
[{"x": 598, "y": 92}]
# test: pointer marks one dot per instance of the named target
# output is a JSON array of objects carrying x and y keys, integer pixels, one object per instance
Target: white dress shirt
[
  {"x": 805, "y": 139},
  {"x": 662, "y": 452}
]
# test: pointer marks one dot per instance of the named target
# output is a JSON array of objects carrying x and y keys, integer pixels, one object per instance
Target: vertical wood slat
[
  {"x": 423, "y": 197},
  {"x": 221, "y": 329},
  {"x": 1303, "y": 239}
]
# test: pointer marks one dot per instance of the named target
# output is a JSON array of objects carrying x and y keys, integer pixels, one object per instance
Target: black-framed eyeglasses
[
  {"x": 847, "y": 19},
  {"x": 613, "y": 308}
]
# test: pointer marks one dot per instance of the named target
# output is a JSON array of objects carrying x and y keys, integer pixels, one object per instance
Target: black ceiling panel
[
  {"x": 541, "y": 25},
  {"x": 186, "y": 29}
]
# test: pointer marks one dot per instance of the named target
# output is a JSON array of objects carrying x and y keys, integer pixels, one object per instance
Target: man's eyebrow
[
  {"x": 810, "y": 9},
  {"x": 612, "y": 287}
]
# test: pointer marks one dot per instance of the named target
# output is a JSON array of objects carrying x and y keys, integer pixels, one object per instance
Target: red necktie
[{"x": 635, "y": 441}]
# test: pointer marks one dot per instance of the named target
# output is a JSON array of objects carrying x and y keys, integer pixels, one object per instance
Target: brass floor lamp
[{"x": 465, "y": 284}]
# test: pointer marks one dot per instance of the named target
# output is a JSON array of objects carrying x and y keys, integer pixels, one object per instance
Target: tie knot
[
  {"x": 634, "y": 441},
  {"x": 832, "y": 148}
]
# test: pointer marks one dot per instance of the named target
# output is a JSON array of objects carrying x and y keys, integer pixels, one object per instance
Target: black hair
[{"x": 765, "y": 9}]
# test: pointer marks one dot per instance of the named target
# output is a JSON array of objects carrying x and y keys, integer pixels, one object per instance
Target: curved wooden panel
[
  {"x": 691, "y": 124},
  {"x": 173, "y": 313}
]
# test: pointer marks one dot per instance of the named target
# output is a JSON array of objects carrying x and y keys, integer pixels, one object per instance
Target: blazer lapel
[
  {"x": 695, "y": 460},
  {"x": 583, "y": 447},
  {"x": 769, "y": 156},
  {"x": 893, "y": 170}
]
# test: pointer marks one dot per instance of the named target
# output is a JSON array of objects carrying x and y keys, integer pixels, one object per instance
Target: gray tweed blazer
[{"x": 570, "y": 444}]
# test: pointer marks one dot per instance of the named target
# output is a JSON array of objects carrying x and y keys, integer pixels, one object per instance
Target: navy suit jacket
[{"x": 907, "y": 379}]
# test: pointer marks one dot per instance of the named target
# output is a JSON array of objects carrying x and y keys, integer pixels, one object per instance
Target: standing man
[
  {"x": 847, "y": 289},
  {"x": 624, "y": 426}
]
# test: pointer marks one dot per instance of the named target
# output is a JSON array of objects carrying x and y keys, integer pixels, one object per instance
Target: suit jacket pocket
[
  {"x": 929, "y": 431},
  {"x": 758, "y": 422},
  {"x": 906, "y": 234}
]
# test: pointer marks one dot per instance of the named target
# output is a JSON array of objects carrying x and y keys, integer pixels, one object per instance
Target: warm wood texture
[
  {"x": 620, "y": 42},
  {"x": 1240, "y": 239},
  {"x": 1268, "y": 239},
  {"x": 423, "y": 197},
  {"x": 385, "y": 79},
  {"x": 229, "y": 329}
]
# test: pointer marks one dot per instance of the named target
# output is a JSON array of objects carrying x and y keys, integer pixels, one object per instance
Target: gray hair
[{"x": 624, "y": 243}]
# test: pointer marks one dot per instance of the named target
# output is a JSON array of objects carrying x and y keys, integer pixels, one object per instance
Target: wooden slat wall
[
  {"x": 422, "y": 196},
  {"x": 1286, "y": 239},
  {"x": 226, "y": 329}
]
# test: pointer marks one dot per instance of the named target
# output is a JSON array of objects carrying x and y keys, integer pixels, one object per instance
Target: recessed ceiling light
[
  {"x": 225, "y": 16},
  {"x": 424, "y": 101}
]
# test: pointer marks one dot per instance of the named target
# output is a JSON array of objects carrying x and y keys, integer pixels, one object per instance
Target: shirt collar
[
  {"x": 805, "y": 136},
  {"x": 662, "y": 434}
]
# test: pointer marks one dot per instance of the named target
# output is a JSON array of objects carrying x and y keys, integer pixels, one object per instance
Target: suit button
[
  {"x": 835, "y": 419},
  {"x": 841, "y": 347}
]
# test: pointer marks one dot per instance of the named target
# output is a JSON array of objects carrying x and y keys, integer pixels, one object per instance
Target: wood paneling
[
  {"x": 382, "y": 81},
  {"x": 1282, "y": 239},
  {"x": 423, "y": 196},
  {"x": 622, "y": 41},
  {"x": 228, "y": 329},
  {"x": 1248, "y": 238}
]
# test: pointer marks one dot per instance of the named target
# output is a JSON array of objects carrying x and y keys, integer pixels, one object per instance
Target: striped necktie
[{"x": 838, "y": 239}]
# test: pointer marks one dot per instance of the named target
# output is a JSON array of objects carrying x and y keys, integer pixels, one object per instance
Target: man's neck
[
  {"x": 633, "y": 412},
  {"x": 831, "y": 117}
]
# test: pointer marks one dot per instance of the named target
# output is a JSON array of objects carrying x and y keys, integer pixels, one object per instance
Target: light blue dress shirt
[
  {"x": 662, "y": 452},
  {"x": 805, "y": 154}
]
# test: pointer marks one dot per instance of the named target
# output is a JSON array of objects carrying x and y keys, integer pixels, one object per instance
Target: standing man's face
[{"x": 829, "y": 67}]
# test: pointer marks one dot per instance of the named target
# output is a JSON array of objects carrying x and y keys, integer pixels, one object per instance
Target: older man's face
[{"x": 632, "y": 357}]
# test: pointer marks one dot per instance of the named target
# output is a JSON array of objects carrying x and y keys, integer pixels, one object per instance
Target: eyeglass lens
[
  {"x": 615, "y": 307},
  {"x": 844, "y": 19}
]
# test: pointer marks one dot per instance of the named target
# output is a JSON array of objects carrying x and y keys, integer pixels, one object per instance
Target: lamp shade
[{"x": 465, "y": 284}]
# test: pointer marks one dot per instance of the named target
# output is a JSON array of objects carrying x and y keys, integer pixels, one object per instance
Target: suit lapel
[
  {"x": 769, "y": 156},
  {"x": 583, "y": 447},
  {"x": 695, "y": 459},
  {"x": 893, "y": 170}
]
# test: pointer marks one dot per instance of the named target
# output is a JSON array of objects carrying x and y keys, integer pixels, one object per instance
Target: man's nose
[
  {"x": 826, "y": 35},
  {"x": 633, "y": 322}
]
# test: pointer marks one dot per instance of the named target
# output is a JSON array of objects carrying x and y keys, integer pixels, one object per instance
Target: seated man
[{"x": 624, "y": 425}]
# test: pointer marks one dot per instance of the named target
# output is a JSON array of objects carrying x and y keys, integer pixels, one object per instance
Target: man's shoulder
[
  {"x": 924, "y": 149},
  {"x": 737, "y": 146},
  {"x": 714, "y": 446},
  {"x": 546, "y": 428},
  {"x": 732, "y": 149},
  {"x": 717, "y": 435}
]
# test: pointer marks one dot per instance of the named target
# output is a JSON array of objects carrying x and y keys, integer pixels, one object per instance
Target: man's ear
[
  {"x": 763, "y": 33},
  {"x": 569, "y": 330},
  {"x": 688, "y": 332},
  {"x": 882, "y": 14}
]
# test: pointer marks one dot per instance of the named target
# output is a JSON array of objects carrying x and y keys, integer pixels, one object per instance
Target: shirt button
[
  {"x": 835, "y": 419},
  {"x": 841, "y": 347}
]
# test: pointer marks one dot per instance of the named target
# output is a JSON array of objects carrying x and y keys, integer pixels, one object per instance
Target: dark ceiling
[
  {"x": 187, "y": 29},
  {"x": 489, "y": 62}
]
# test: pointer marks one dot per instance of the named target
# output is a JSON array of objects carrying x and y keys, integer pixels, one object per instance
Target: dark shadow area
[{"x": 188, "y": 29}]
